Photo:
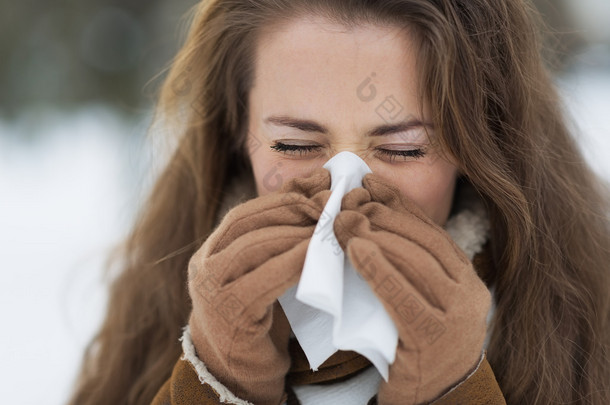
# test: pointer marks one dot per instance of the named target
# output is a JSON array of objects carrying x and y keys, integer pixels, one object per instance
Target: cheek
[
  {"x": 269, "y": 174},
  {"x": 430, "y": 187}
]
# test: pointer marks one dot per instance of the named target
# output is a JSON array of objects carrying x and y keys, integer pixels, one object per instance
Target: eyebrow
[{"x": 312, "y": 126}]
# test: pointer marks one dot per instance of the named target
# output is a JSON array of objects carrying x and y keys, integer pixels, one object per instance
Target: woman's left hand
[{"x": 426, "y": 283}]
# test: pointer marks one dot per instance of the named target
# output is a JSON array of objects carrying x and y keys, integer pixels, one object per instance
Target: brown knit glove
[
  {"x": 428, "y": 286},
  {"x": 256, "y": 254}
]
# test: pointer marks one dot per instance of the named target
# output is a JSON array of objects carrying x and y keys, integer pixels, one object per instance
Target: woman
[{"x": 438, "y": 97}]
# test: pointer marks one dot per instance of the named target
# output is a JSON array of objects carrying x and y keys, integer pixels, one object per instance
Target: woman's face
[{"x": 320, "y": 89}]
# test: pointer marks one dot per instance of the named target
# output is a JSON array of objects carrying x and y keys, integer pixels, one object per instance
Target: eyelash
[{"x": 393, "y": 154}]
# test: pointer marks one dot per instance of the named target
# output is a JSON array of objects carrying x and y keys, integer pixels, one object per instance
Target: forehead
[
  {"x": 313, "y": 57},
  {"x": 304, "y": 44}
]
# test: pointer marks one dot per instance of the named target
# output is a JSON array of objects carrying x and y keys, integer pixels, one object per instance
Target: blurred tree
[
  {"x": 67, "y": 52},
  {"x": 561, "y": 35}
]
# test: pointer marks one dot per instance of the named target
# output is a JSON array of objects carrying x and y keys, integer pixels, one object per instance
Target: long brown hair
[{"x": 496, "y": 112}]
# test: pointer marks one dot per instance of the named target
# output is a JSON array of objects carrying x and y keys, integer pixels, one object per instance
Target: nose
[{"x": 356, "y": 149}]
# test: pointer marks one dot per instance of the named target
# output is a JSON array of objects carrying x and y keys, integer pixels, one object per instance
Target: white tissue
[{"x": 332, "y": 308}]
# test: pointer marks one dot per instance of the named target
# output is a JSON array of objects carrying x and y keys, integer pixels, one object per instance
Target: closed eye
[
  {"x": 289, "y": 149},
  {"x": 408, "y": 153}
]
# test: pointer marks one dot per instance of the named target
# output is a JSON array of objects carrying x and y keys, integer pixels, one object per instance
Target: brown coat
[{"x": 185, "y": 388}]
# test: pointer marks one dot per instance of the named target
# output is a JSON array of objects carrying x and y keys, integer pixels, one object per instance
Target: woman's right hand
[{"x": 255, "y": 254}]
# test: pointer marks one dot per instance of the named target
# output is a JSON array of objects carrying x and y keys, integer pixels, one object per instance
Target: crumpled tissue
[{"x": 332, "y": 308}]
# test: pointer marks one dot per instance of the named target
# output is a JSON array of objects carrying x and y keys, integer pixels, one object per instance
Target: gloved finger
[
  {"x": 410, "y": 226},
  {"x": 379, "y": 197},
  {"x": 386, "y": 199},
  {"x": 354, "y": 198},
  {"x": 259, "y": 289},
  {"x": 248, "y": 252},
  {"x": 433, "y": 276},
  {"x": 318, "y": 180},
  {"x": 269, "y": 210},
  {"x": 299, "y": 201},
  {"x": 390, "y": 196},
  {"x": 411, "y": 312},
  {"x": 426, "y": 273},
  {"x": 349, "y": 224},
  {"x": 460, "y": 305}
]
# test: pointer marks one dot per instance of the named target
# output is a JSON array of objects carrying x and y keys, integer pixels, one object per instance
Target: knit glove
[
  {"x": 425, "y": 282},
  {"x": 255, "y": 254}
]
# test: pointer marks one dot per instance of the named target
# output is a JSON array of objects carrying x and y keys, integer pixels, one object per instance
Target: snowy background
[{"x": 71, "y": 180}]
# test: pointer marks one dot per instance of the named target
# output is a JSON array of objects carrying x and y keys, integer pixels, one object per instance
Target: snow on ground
[
  {"x": 586, "y": 93},
  {"x": 65, "y": 197},
  {"x": 69, "y": 187}
]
